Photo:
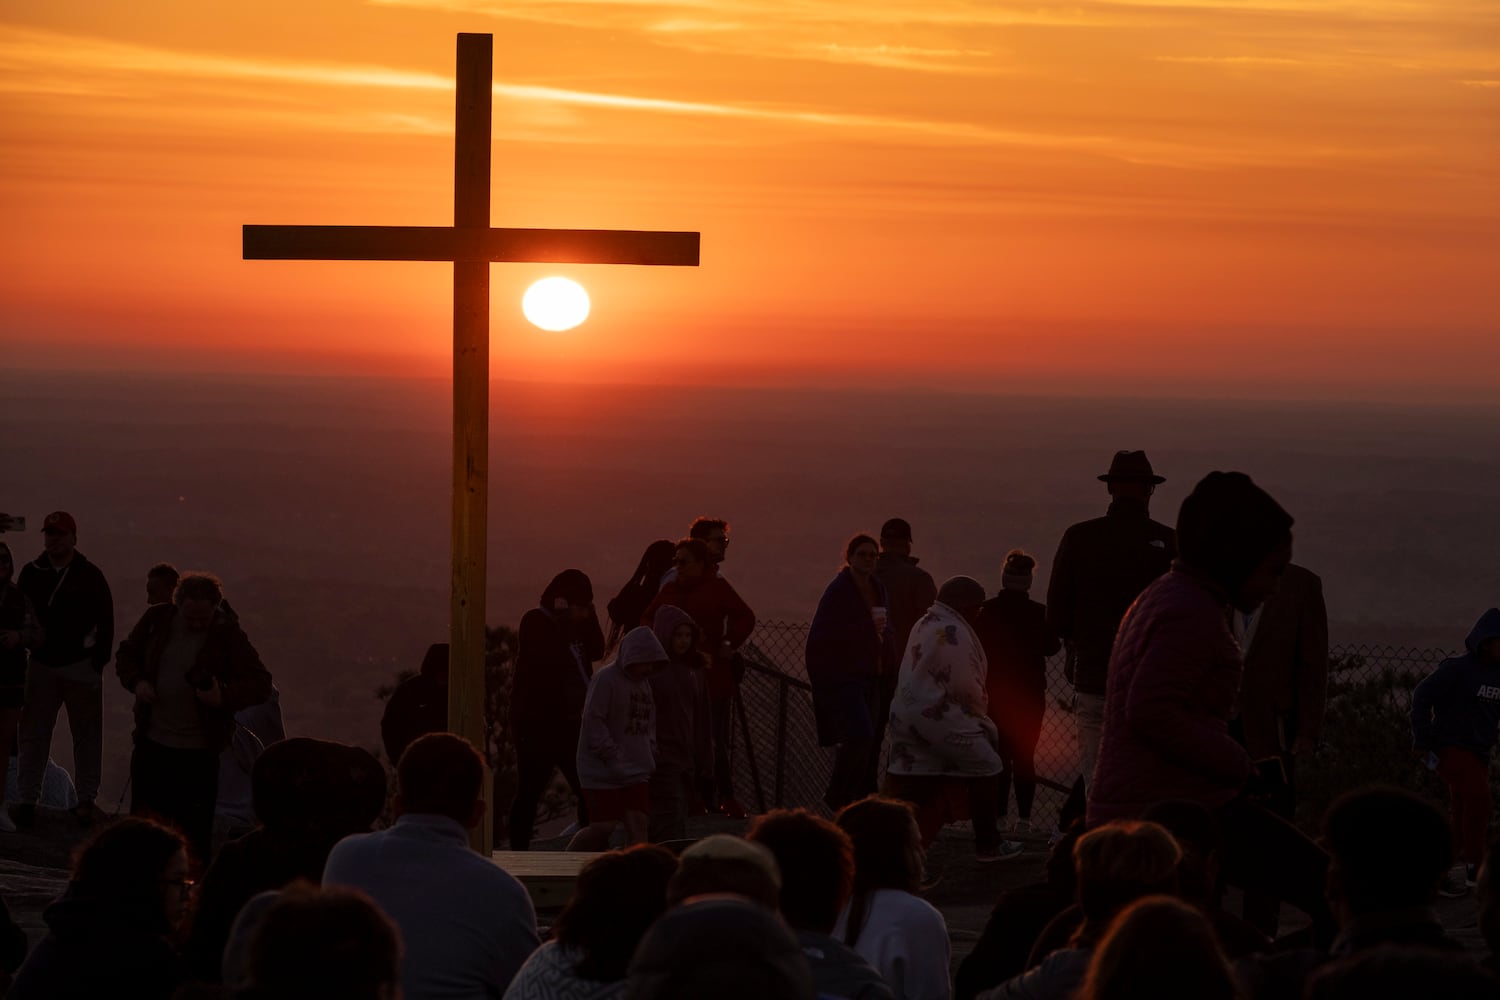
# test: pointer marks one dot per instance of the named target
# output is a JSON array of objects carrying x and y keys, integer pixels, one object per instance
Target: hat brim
[{"x": 1153, "y": 480}]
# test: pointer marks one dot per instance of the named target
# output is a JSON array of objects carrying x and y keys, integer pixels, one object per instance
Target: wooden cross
[{"x": 471, "y": 244}]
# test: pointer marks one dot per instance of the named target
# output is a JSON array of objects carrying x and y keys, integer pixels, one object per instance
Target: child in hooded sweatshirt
[
  {"x": 1455, "y": 715},
  {"x": 684, "y": 745},
  {"x": 617, "y": 743}
]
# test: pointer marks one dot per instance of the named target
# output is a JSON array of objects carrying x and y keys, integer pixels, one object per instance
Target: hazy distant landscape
[{"x": 323, "y": 502}]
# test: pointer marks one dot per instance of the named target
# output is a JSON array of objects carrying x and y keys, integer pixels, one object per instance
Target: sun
[{"x": 556, "y": 303}]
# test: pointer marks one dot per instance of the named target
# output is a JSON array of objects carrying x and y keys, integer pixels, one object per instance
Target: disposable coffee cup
[{"x": 879, "y": 615}]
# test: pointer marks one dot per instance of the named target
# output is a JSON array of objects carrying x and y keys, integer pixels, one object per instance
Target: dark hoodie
[
  {"x": 100, "y": 948},
  {"x": 683, "y": 742},
  {"x": 1458, "y": 704},
  {"x": 75, "y": 608},
  {"x": 418, "y": 706},
  {"x": 554, "y": 660}
]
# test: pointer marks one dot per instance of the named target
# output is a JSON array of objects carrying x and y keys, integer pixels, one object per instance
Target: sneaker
[
  {"x": 1471, "y": 875},
  {"x": 1455, "y": 883},
  {"x": 731, "y": 808},
  {"x": 86, "y": 813},
  {"x": 25, "y": 816},
  {"x": 7, "y": 825},
  {"x": 1004, "y": 852}
]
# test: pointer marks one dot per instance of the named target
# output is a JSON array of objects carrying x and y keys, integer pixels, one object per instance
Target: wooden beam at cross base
[{"x": 444, "y": 243}]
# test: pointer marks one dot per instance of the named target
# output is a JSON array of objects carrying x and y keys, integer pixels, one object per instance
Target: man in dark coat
[
  {"x": 191, "y": 668},
  {"x": 1101, "y": 567},
  {"x": 910, "y": 591},
  {"x": 77, "y": 614},
  {"x": 559, "y": 642},
  {"x": 418, "y": 706},
  {"x": 1285, "y": 648}
]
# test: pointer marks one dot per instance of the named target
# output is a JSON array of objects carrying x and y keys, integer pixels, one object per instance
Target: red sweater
[
  {"x": 1172, "y": 684},
  {"x": 720, "y": 614}
]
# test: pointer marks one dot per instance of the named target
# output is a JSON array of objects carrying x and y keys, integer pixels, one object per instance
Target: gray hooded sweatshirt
[{"x": 617, "y": 743}]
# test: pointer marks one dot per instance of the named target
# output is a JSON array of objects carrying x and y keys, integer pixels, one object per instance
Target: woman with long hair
[
  {"x": 844, "y": 647},
  {"x": 626, "y": 608},
  {"x": 902, "y": 935},
  {"x": 1158, "y": 947},
  {"x": 112, "y": 927}
]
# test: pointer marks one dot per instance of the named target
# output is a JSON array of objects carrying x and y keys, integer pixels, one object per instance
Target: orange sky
[{"x": 1270, "y": 197}]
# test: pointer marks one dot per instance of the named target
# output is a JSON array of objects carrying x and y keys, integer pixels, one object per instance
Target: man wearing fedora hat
[{"x": 1101, "y": 567}]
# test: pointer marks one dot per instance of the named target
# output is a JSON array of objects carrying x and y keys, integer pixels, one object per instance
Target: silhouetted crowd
[{"x": 1198, "y": 658}]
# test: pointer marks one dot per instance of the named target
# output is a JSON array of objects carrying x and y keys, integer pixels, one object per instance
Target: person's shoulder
[
  {"x": 347, "y": 855},
  {"x": 912, "y": 907}
]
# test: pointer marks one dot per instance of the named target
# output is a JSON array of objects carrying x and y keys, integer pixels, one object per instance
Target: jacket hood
[
  {"x": 640, "y": 645},
  {"x": 1487, "y": 628},
  {"x": 571, "y": 585},
  {"x": 668, "y": 617}
]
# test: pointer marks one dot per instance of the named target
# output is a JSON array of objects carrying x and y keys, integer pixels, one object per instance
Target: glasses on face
[
  {"x": 184, "y": 885},
  {"x": 721, "y": 539}
]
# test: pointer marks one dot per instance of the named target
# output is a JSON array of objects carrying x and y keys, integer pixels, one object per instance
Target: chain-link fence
[{"x": 1366, "y": 735}]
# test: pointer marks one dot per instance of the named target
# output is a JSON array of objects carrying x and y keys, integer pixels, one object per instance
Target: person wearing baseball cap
[
  {"x": 77, "y": 614},
  {"x": 1101, "y": 567}
]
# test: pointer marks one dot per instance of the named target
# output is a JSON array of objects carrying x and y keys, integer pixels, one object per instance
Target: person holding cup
[{"x": 844, "y": 645}]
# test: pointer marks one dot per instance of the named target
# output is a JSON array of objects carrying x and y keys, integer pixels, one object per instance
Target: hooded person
[
  {"x": 1173, "y": 681},
  {"x": 558, "y": 644},
  {"x": 617, "y": 743},
  {"x": 684, "y": 743},
  {"x": 1455, "y": 715},
  {"x": 418, "y": 706},
  {"x": 943, "y": 742}
]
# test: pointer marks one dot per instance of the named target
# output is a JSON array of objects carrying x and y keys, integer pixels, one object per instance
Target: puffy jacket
[
  {"x": 1172, "y": 685},
  {"x": 227, "y": 656}
]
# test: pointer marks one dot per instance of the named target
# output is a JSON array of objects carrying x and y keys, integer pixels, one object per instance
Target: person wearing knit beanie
[{"x": 1016, "y": 573}]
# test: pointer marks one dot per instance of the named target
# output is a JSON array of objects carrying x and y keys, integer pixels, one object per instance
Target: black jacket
[
  {"x": 99, "y": 948},
  {"x": 75, "y": 608},
  {"x": 1017, "y": 640},
  {"x": 418, "y": 706},
  {"x": 227, "y": 657},
  {"x": 551, "y": 681},
  {"x": 1100, "y": 569},
  {"x": 1458, "y": 704}
]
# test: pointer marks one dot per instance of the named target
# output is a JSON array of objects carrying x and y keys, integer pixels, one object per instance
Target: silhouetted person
[
  {"x": 1158, "y": 947},
  {"x": 727, "y": 621},
  {"x": 617, "y": 744},
  {"x": 1172, "y": 686},
  {"x": 1017, "y": 640},
  {"x": 724, "y": 864},
  {"x": 108, "y": 934},
  {"x": 256, "y": 727},
  {"x": 418, "y": 706},
  {"x": 684, "y": 743},
  {"x": 910, "y": 591},
  {"x": 191, "y": 668},
  {"x": 77, "y": 613},
  {"x": 467, "y": 925},
  {"x": 1100, "y": 568},
  {"x": 313, "y": 944},
  {"x": 308, "y": 795},
  {"x": 617, "y": 897},
  {"x": 845, "y": 648},
  {"x": 626, "y": 608},
  {"x": 161, "y": 583},
  {"x": 902, "y": 935},
  {"x": 816, "y": 861},
  {"x": 1285, "y": 648},
  {"x": 1455, "y": 712},
  {"x": 1401, "y": 973},
  {"x": 559, "y": 641},
  {"x": 943, "y": 743},
  {"x": 1017, "y": 921},
  {"x": 713, "y": 532},
  {"x": 1389, "y": 851},
  {"x": 724, "y": 948},
  {"x": 1115, "y": 865},
  {"x": 20, "y": 630}
]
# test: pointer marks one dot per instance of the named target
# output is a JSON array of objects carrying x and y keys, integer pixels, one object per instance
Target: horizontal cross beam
[{"x": 446, "y": 243}]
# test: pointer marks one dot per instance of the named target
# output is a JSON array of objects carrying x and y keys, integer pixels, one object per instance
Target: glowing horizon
[{"x": 1186, "y": 193}]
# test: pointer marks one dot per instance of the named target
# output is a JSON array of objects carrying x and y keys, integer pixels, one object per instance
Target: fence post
[
  {"x": 760, "y": 792},
  {"x": 782, "y": 691}
]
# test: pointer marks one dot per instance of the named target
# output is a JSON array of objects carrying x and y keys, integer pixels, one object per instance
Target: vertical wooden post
[{"x": 471, "y": 402}]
